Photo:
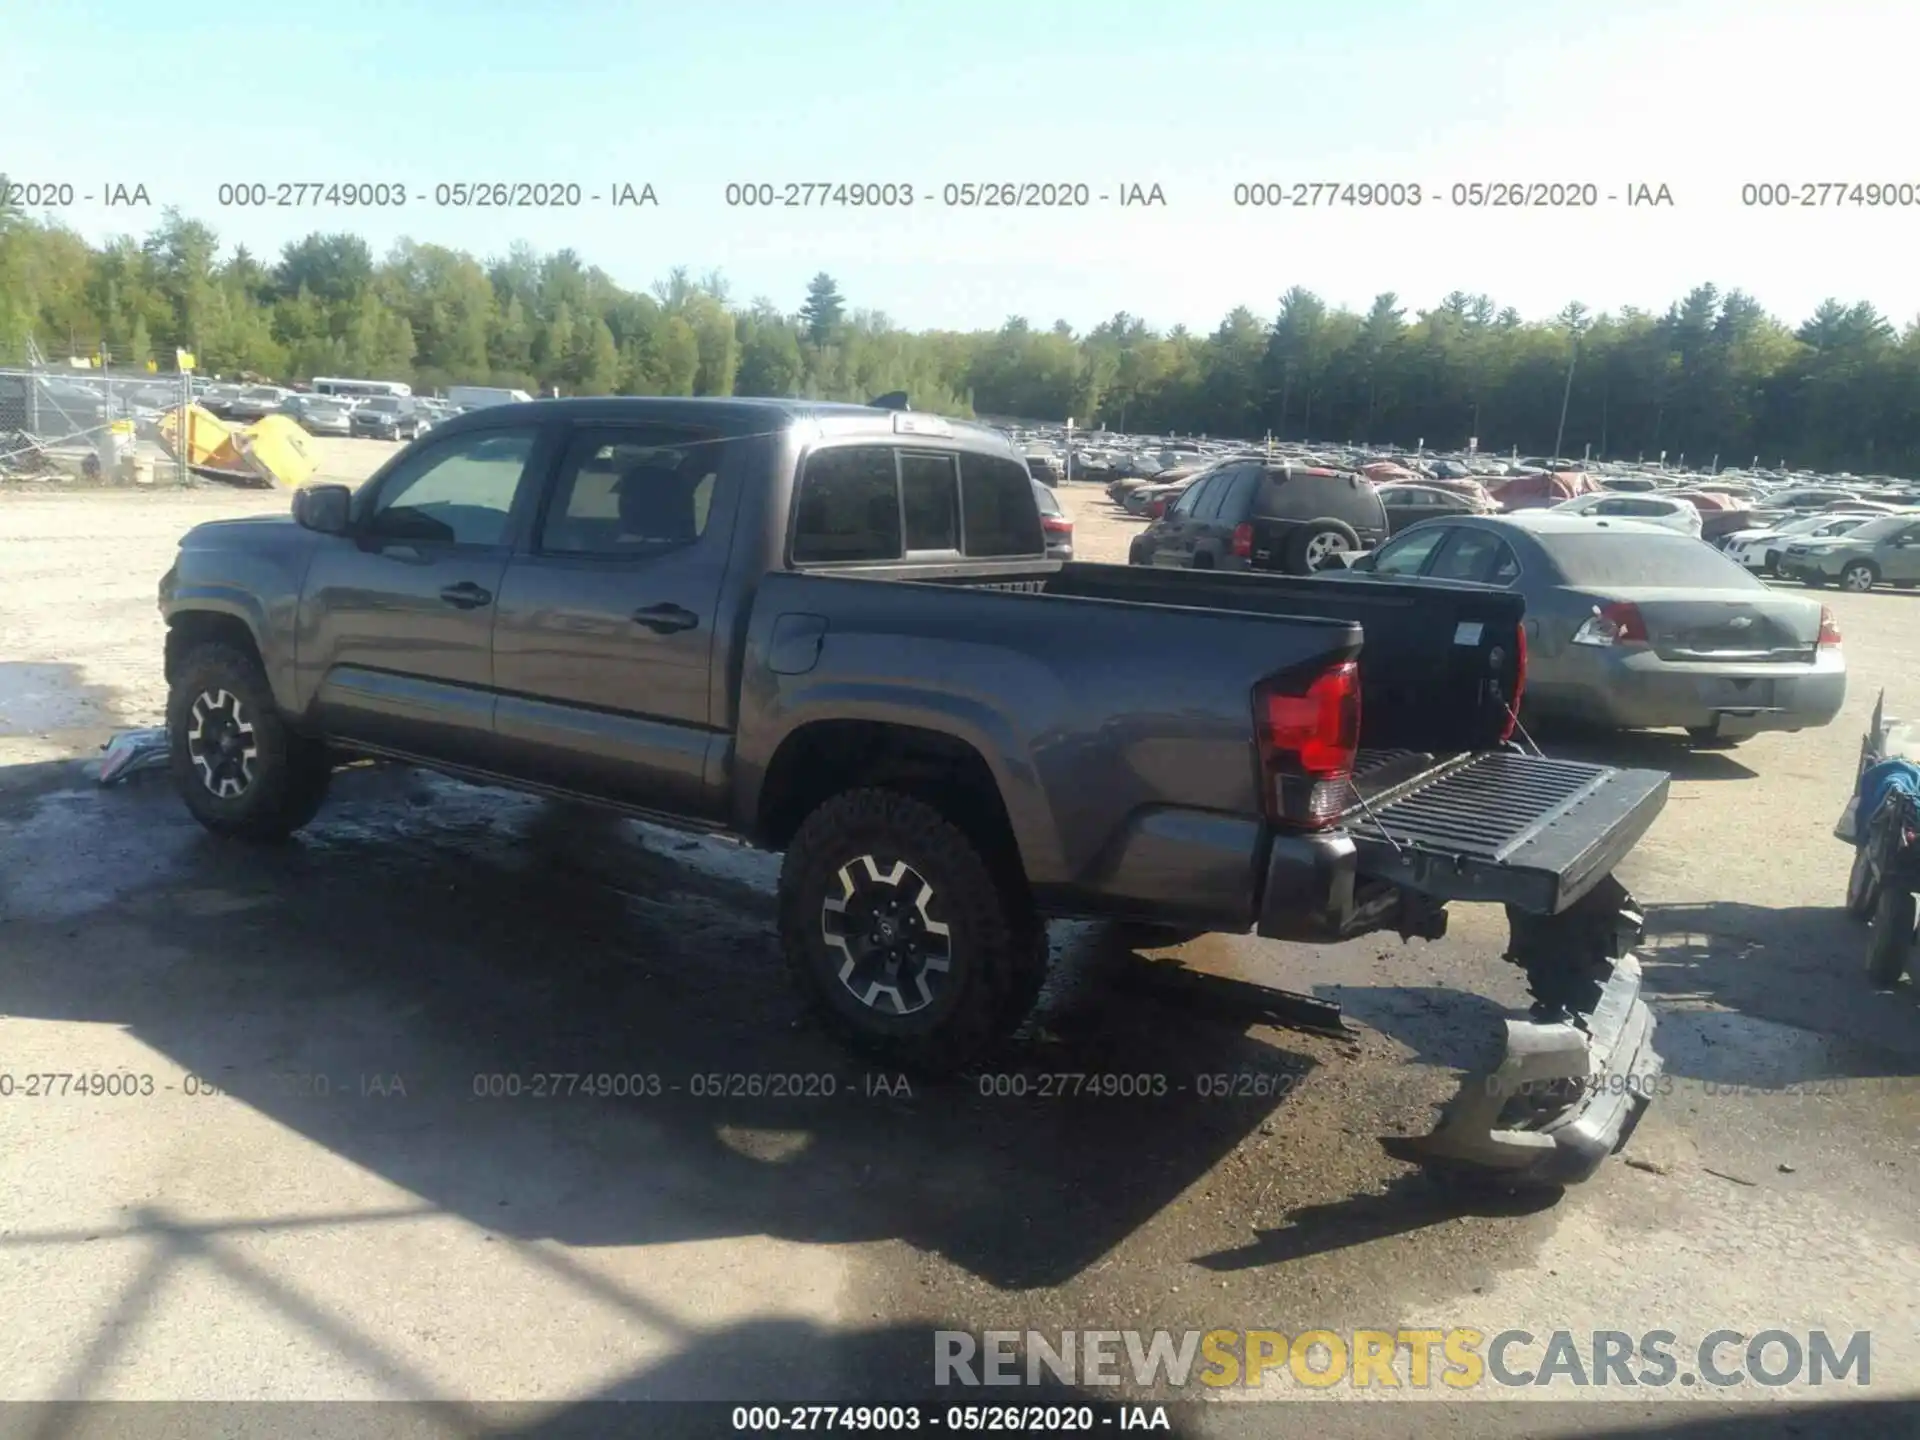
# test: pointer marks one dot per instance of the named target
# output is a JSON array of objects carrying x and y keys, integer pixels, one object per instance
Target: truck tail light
[
  {"x": 1620, "y": 624},
  {"x": 1307, "y": 736},
  {"x": 1243, "y": 541},
  {"x": 1519, "y": 681},
  {"x": 1829, "y": 628}
]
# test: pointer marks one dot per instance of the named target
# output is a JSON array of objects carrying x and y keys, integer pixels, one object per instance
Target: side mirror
[
  {"x": 1362, "y": 562},
  {"x": 327, "y": 509}
]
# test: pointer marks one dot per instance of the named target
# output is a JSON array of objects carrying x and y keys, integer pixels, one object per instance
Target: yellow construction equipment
[
  {"x": 278, "y": 451},
  {"x": 208, "y": 443},
  {"x": 273, "y": 452}
]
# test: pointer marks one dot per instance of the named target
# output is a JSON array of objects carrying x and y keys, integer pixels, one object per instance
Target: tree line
[{"x": 1714, "y": 375}]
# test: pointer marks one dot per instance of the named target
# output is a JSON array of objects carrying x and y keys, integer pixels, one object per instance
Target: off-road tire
[
  {"x": 1890, "y": 941},
  {"x": 996, "y": 949},
  {"x": 289, "y": 772}
]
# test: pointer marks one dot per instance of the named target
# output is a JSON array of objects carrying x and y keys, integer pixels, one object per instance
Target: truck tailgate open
[{"x": 1523, "y": 830}]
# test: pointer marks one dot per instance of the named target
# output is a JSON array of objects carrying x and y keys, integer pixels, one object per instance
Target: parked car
[
  {"x": 1884, "y": 551},
  {"x": 1759, "y": 550},
  {"x": 1055, "y": 523},
  {"x": 1631, "y": 627},
  {"x": 388, "y": 417},
  {"x": 217, "y": 398},
  {"x": 1671, "y": 513},
  {"x": 318, "y": 414},
  {"x": 256, "y": 402},
  {"x": 1167, "y": 486},
  {"x": 1539, "y": 489},
  {"x": 1248, "y": 515},
  {"x": 618, "y": 601},
  {"x": 1410, "y": 504}
]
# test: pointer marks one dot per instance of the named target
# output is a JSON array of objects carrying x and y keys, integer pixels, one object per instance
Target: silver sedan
[{"x": 1630, "y": 627}]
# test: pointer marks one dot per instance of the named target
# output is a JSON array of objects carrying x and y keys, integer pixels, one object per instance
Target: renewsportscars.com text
[{"x": 1458, "y": 1358}]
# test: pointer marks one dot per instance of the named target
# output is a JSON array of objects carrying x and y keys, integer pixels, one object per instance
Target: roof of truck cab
[{"x": 738, "y": 414}]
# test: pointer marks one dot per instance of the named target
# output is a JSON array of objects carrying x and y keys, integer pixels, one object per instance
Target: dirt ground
[{"x": 315, "y": 1192}]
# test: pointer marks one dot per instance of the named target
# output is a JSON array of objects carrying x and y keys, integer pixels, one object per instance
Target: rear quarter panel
[{"x": 1091, "y": 715}]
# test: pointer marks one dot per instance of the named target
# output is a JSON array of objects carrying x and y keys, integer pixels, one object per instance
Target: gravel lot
[{"x": 312, "y": 1232}]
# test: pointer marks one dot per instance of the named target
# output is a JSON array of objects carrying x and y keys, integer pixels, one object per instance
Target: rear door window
[
  {"x": 1236, "y": 491},
  {"x": 1195, "y": 496},
  {"x": 1468, "y": 555},
  {"x": 1405, "y": 556}
]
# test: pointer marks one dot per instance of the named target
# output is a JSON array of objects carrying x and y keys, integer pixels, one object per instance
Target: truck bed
[{"x": 1442, "y": 805}]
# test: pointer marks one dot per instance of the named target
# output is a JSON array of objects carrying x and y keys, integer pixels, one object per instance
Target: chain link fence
[{"x": 61, "y": 422}]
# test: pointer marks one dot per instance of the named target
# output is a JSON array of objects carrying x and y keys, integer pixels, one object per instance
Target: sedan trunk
[{"x": 1691, "y": 625}]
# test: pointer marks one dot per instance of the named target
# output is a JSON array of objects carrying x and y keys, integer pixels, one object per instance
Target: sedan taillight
[{"x": 1620, "y": 624}]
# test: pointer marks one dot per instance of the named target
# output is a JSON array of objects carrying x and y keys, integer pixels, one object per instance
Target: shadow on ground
[
  {"x": 1666, "y": 750},
  {"x": 468, "y": 943}
]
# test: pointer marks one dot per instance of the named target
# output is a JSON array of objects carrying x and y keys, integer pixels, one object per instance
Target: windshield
[
  {"x": 1646, "y": 557},
  {"x": 383, "y": 402},
  {"x": 1875, "y": 531}
]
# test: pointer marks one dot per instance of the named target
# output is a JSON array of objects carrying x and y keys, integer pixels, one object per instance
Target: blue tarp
[{"x": 1880, "y": 781}]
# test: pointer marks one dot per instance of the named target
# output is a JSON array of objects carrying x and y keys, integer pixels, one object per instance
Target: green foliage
[{"x": 1713, "y": 375}]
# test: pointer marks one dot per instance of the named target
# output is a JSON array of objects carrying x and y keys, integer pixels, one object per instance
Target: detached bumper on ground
[
  {"x": 1589, "y": 1084},
  {"x": 1577, "y": 1074}
]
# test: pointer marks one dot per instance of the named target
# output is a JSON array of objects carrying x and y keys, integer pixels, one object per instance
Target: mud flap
[{"x": 1576, "y": 1075}]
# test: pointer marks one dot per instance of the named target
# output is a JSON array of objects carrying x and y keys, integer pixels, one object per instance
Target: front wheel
[
  {"x": 902, "y": 937},
  {"x": 1890, "y": 943},
  {"x": 237, "y": 766},
  {"x": 1859, "y": 577}
]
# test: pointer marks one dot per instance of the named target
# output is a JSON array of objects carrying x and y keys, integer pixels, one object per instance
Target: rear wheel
[
  {"x": 903, "y": 939},
  {"x": 1890, "y": 942},
  {"x": 238, "y": 767},
  {"x": 1860, "y": 577},
  {"x": 1319, "y": 545}
]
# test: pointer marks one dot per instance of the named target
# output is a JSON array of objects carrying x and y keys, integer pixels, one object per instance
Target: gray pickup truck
[{"x": 832, "y": 631}]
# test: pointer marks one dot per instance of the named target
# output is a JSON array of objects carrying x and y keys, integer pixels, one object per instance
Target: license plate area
[{"x": 1721, "y": 693}]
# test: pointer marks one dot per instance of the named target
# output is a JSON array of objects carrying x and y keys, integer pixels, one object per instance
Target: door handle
[
  {"x": 665, "y": 619},
  {"x": 466, "y": 596}
]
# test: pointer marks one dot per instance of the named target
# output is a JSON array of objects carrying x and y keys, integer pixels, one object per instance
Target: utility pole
[{"x": 1573, "y": 329}]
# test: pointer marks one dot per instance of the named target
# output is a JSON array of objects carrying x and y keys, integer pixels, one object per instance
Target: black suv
[
  {"x": 1249, "y": 515},
  {"x": 388, "y": 417}
]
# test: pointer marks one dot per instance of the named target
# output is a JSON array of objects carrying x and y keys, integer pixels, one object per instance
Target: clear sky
[{"x": 1197, "y": 96}]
